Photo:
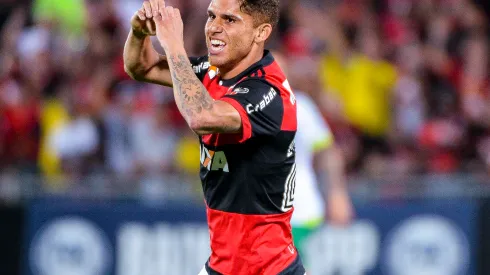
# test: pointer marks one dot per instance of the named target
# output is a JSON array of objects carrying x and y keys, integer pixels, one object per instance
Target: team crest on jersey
[
  {"x": 214, "y": 160},
  {"x": 213, "y": 71}
]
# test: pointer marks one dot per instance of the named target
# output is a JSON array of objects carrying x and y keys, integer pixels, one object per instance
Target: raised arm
[
  {"x": 141, "y": 61},
  {"x": 202, "y": 113}
]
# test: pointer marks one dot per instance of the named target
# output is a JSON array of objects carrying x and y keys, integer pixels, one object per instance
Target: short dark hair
[{"x": 263, "y": 11}]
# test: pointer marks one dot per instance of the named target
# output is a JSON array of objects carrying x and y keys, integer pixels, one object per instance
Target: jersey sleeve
[
  {"x": 260, "y": 107},
  {"x": 312, "y": 125},
  {"x": 200, "y": 65}
]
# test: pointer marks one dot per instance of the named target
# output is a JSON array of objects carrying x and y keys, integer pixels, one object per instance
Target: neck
[{"x": 254, "y": 56}]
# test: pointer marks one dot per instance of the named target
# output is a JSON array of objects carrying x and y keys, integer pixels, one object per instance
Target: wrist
[
  {"x": 172, "y": 48},
  {"x": 336, "y": 190},
  {"x": 138, "y": 34}
]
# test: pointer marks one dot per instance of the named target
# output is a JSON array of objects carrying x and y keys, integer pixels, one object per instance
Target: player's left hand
[
  {"x": 169, "y": 27},
  {"x": 339, "y": 208}
]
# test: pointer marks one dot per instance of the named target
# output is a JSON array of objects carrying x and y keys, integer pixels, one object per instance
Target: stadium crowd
[{"x": 404, "y": 84}]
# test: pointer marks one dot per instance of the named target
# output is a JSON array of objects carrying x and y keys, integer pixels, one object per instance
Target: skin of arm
[
  {"x": 141, "y": 61},
  {"x": 339, "y": 207},
  {"x": 203, "y": 114}
]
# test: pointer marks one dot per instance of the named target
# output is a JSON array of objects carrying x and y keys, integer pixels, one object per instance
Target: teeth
[{"x": 217, "y": 42}]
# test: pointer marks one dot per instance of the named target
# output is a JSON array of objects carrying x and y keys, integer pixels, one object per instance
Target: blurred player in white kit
[{"x": 315, "y": 144}]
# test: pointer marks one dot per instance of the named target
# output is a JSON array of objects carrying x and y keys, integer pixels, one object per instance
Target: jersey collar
[{"x": 266, "y": 60}]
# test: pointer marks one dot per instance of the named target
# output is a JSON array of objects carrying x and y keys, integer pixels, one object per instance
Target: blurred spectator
[
  {"x": 19, "y": 126},
  {"x": 154, "y": 140},
  {"x": 409, "y": 101},
  {"x": 54, "y": 115},
  {"x": 355, "y": 76},
  {"x": 69, "y": 16},
  {"x": 187, "y": 153},
  {"x": 363, "y": 83}
]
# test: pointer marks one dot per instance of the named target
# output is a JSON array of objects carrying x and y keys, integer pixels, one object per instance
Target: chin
[{"x": 217, "y": 61}]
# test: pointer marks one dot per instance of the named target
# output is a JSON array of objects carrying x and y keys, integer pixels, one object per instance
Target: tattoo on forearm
[{"x": 193, "y": 98}]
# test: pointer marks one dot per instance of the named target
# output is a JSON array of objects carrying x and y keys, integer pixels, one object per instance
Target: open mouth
[{"x": 216, "y": 46}]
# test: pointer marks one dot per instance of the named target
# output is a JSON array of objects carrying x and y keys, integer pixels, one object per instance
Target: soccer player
[
  {"x": 314, "y": 141},
  {"x": 238, "y": 101},
  {"x": 316, "y": 145}
]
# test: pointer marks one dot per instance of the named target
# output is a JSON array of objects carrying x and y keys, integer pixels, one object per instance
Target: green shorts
[{"x": 301, "y": 233}]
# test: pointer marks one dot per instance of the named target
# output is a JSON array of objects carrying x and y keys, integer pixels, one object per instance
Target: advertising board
[
  {"x": 129, "y": 238},
  {"x": 410, "y": 238},
  {"x": 121, "y": 238}
]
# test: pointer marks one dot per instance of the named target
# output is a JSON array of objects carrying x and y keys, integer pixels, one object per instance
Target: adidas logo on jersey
[
  {"x": 214, "y": 160},
  {"x": 267, "y": 98}
]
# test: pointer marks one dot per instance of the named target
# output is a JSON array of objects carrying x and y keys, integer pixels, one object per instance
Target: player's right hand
[
  {"x": 142, "y": 21},
  {"x": 340, "y": 210}
]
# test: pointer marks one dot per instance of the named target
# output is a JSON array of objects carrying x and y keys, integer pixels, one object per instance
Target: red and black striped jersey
[{"x": 248, "y": 178}]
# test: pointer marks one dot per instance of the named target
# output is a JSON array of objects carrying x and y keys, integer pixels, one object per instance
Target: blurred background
[{"x": 99, "y": 173}]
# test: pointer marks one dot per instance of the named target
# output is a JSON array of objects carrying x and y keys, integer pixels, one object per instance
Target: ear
[{"x": 263, "y": 32}]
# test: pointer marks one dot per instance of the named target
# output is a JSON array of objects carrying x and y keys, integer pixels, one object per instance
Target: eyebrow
[
  {"x": 226, "y": 15},
  {"x": 231, "y": 16}
]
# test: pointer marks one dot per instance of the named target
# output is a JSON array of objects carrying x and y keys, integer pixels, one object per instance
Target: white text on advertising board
[
  {"x": 161, "y": 249},
  {"x": 344, "y": 251}
]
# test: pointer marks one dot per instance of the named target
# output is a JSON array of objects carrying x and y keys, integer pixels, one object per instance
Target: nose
[{"x": 215, "y": 26}]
